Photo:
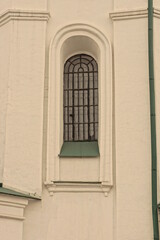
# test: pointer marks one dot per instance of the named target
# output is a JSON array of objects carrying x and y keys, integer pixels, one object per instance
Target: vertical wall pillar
[
  {"x": 132, "y": 123},
  {"x": 22, "y": 59}
]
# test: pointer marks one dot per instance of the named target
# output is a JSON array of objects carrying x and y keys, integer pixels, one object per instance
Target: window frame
[
  {"x": 55, "y": 122},
  {"x": 79, "y": 147}
]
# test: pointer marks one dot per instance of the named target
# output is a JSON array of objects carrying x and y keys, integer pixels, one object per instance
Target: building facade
[{"x": 75, "y": 136}]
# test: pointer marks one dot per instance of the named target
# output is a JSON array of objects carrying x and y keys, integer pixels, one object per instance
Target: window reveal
[{"x": 80, "y": 104}]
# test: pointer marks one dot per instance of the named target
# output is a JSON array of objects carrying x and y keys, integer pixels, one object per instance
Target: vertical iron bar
[
  {"x": 64, "y": 80},
  {"x": 73, "y": 132},
  {"x": 68, "y": 106},
  {"x": 78, "y": 106},
  {"x": 88, "y": 109},
  {"x": 94, "y": 109},
  {"x": 83, "y": 108}
]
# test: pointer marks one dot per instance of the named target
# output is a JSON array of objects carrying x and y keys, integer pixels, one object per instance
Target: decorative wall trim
[
  {"x": 16, "y": 14},
  {"x": 156, "y": 13},
  {"x": 10, "y": 204},
  {"x": 11, "y": 217},
  {"x": 12, "y": 207},
  {"x": 78, "y": 187},
  {"x": 139, "y": 13},
  {"x": 132, "y": 14}
]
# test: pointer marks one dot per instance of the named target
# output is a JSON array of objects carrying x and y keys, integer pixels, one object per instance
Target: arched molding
[{"x": 103, "y": 54}]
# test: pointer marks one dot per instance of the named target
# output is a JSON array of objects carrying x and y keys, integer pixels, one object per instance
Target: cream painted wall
[
  {"x": 85, "y": 11},
  {"x": 71, "y": 216},
  {"x": 156, "y": 3},
  {"x": 24, "y": 122},
  {"x": 126, "y": 212},
  {"x": 132, "y": 127},
  {"x": 12, "y": 217},
  {"x": 4, "y": 76},
  {"x": 23, "y": 4},
  {"x": 80, "y": 169},
  {"x": 129, "y": 4},
  {"x": 22, "y": 88},
  {"x": 130, "y": 200}
]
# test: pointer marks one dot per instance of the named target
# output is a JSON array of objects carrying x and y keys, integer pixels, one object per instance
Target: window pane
[
  {"x": 80, "y": 98},
  {"x": 85, "y": 80}
]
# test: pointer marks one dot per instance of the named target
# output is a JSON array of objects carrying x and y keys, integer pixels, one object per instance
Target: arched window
[
  {"x": 80, "y": 99},
  {"x": 72, "y": 156}
]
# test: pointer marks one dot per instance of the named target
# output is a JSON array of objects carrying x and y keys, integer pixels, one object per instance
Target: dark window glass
[{"x": 80, "y": 99}]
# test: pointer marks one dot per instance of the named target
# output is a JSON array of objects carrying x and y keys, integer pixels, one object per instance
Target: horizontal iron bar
[
  {"x": 80, "y": 72},
  {"x": 78, "y": 90},
  {"x": 80, "y": 106},
  {"x": 83, "y": 123}
]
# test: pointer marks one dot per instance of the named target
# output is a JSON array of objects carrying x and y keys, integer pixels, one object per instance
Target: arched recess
[{"x": 69, "y": 40}]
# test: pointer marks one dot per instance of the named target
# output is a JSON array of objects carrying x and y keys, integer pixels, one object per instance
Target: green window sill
[{"x": 79, "y": 149}]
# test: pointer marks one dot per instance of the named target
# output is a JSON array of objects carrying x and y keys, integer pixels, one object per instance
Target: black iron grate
[{"x": 80, "y": 98}]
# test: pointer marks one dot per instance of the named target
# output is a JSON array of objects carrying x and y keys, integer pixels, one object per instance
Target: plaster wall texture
[
  {"x": 156, "y": 3},
  {"x": 22, "y": 104},
  {"x": 25, "y": 5},
  {"x": 130, "y": 200},
  {"x": 14, "y": 227},
  {"x": 132, "y": 128},
  {"x": 73, "y": 215},
  {"x": 70, "y": 216},
  {"x": 24, "y": 140},
  {"x": 4, "y": 75},
  {"x": 68, "y": 12},
  {"x": 11, "y": 217},
  {"x": 79, "y": 169},
  {"x": 126, "y": 212},
  {"x": 129, "y": 4}
]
